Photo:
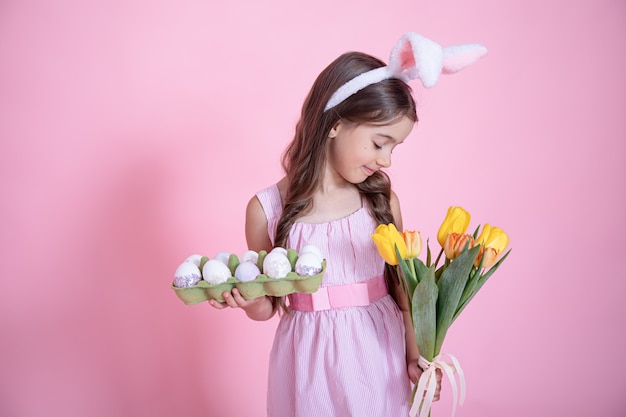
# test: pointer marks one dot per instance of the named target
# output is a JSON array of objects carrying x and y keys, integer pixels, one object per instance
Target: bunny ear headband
[{"x": 413, "y": 56}]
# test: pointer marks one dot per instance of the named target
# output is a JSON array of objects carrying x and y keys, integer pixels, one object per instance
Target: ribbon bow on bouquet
[{"x": 437, "y": 295}]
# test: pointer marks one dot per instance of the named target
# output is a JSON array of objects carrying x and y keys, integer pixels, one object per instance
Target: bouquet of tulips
[{"x": 437, "y": 294}]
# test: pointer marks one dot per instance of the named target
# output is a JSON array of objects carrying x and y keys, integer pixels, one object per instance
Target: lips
[{"x": 368, "y": 171}]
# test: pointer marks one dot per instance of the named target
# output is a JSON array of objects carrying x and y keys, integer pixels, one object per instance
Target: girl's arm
[
  {"x": 261, "y": 308},
  {"x": 412, "y": 351}
]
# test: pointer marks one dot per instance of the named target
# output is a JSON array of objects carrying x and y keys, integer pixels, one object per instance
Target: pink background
[{"x": 134, "y": 132}]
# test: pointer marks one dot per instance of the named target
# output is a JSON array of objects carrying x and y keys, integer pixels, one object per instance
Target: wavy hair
[{"x": 305, "y": 157}]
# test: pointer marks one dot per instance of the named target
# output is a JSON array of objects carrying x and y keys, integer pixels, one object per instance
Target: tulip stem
[
  {"x": 405, "y": 289},
  {"x": 438, "y": 257}
]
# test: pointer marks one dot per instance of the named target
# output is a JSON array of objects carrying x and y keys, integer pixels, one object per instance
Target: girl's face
[{"x": 358, "y": 150}]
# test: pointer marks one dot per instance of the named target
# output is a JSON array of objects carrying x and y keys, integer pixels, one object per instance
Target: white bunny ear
[
  {"x": 413, "y": 56},
  {"x": 457, "y": 57},
  {"x": 416, "y": 56}
]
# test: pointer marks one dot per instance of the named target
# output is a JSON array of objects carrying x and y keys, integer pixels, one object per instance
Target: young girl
[{"x": 348, "y": 349}]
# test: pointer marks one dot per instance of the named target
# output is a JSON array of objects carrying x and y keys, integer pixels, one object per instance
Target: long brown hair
[{"x": 305, "y": 157}]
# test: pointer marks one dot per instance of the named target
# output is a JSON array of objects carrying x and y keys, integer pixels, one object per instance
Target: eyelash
[{"x": 377, "y": 146}]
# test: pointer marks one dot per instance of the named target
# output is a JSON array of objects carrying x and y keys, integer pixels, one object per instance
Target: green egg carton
[{"x": 262, "y": 285}]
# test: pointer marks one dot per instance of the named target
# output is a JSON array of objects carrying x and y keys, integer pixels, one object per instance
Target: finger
[
  {"x": 216, "y": 304},
  {"x": 414, "y": 374},
  {"x": 228, "y": 299},
  {"x": 241, "y": 302}
]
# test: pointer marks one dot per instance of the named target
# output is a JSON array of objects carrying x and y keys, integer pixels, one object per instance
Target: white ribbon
[{"x": 427, "y": 384}]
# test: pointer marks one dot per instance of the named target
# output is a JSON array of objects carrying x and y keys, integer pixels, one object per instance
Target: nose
[{"x": 384, "y": 160}]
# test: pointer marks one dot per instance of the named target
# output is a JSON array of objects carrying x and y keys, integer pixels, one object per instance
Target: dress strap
[
  {"x": 340, "y": 296},
  {"x": 272, "y": 206}
]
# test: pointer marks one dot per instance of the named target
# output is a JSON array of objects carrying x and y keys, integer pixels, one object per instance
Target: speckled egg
[
  {"x": 195, "y": 259},
  {"x": 247, "y": 271},
  {"x": 215, "y": 272},
  {"x": 222, "y": 257},
  {"x": 187, "y": 275},
  {"x": 276, "y": 265},
  {"x": 308, "y": 264},
  {"x": 250, "y": 255}
]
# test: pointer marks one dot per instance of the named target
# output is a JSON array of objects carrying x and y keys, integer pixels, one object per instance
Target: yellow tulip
[
  {"x": 455, "y": 244},
  {"x": 493, "y": 241},
  {"x": 386, "y": 239},
  {"x": 457, "y": 220},
  {"x": 413, "y": 241}
]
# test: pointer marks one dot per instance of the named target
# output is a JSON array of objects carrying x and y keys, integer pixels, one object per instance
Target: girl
[{"x": 348, "y": 349}]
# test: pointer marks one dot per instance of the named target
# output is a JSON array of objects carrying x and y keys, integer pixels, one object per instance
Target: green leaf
[
  {"x": 406, "y": 270},
  {"x": 428, "y": 254},
  {"x": 425, "y": 314},
  {"x": 468, "y": 293},
  {"x": 420, "y": 269},
  {"x": 480, "y": 282},
  {"x": 440, "y": 270},
  {"x": 451, "y": 286}
]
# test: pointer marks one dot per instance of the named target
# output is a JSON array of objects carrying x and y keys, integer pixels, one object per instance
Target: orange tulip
[
  {"x": 493, "y": 241},
  {"x": 455, "y": 244},
  {"x": 413, "y": 242}
]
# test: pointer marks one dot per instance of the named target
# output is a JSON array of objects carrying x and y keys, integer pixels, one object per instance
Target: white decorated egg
[
  {"x": 276, "y": 265},
  {"x": 308, "y": 264},
  {"x": 311, "y": 249},
  {"x": 195, "y": 259},
  {"x": 215, "y": 272},
  {"x": 247, "y": 271},
  {"x": 250, "y": 255},
  {"x": 278, "y": 249},
  {"x": 187, "y": 275},
  {"x": 222, "y": 257}
]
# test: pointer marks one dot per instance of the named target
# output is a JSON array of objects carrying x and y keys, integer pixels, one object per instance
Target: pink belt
[{"x": 340, "y": 296}]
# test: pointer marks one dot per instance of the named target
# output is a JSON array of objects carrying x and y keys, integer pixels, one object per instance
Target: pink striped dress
[{"x": 341, "y": 362}]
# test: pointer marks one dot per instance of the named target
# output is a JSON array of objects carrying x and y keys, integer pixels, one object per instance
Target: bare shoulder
[
  {"x": 282, "y": 187},
  {"x": 257, "y": 236},
  {"x": 394, "y": 203}
]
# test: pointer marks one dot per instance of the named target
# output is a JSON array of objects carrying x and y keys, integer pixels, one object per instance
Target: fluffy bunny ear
[
  {"x": 457, "y": 57},
  {"x": 415, "y": 56}
]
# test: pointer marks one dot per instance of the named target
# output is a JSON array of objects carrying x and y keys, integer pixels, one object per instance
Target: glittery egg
[
  {"x": 247, "y": 271},
  {"x": 195, "y": 259},
  {"x": 222, "y": 257},
  {"x": 215, "y": 272},
  {"x": 312, "y": 249},
  {"x": 308, "y": 264},
  {"x": 250, "y": 255},
  {"x": 187, "y": 275},
  {"x": 276, "y": 265}
]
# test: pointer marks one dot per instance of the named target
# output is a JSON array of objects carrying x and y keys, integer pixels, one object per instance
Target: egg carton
[{"x": 262, "y": 285}]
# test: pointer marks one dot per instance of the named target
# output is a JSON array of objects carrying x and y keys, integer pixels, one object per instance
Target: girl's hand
[
  {"x": 233, "y": 300},
  {"x": 415, "y": 372},
  {"x": 260, "y": 308}
]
